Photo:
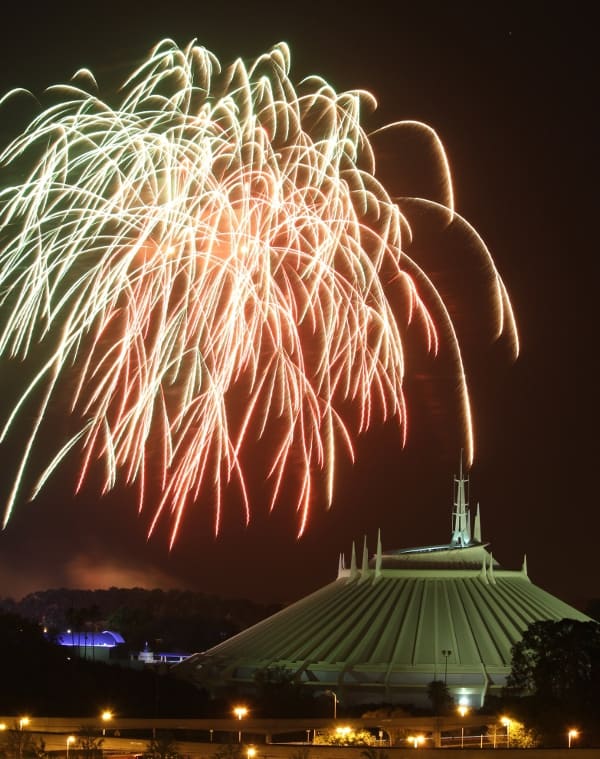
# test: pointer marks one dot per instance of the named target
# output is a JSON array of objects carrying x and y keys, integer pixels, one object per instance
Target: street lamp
[
  {"x": 106, "y": 717},
  {"x": 462, "y": 710},
  {"x": 343, "y": 732},
  {"x": 446, "y": 653},
  {"x": 506, "y": 721},
  {"x": 572, "y": 734},
  {"x": 251, "y": 752},
  {"x": 23, "y": 722},
  {"x": 240, "y": 712},
  {"x": 416, "y": 740},
  {"x": 335, "y": 702},
  {"x": 70, "y": 739}
]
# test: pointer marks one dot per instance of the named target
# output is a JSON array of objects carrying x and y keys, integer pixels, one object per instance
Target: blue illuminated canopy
[{"x": 104, "y": 639}]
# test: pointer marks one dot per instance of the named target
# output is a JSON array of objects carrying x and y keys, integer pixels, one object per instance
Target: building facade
[{"x": 393, "y": 622}]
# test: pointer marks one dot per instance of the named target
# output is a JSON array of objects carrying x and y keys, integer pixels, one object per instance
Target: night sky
[{"x": 510, "y": 88}]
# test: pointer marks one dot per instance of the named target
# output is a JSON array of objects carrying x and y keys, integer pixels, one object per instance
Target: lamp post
[
  {"x": 416, "y": 740},
  {"x": 506, "y": 721},
  {"x": 70, "y": 739},
  {"x": 251, "y": 752},
  {"x": 446, "y": 653},
  {"x": 571, "y": 735},
  {"x": 462, "y": 710},
  {"x": 240, "y": 712},
  {"x": 23, "y": 722},
  {"x": 106, "y": 717},
  {"x": 335, "y": 702}
]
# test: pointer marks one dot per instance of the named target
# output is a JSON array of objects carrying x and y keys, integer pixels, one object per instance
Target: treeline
[
  {"x": 39, "y": 677},
  {"x": 165, "y": 620}
]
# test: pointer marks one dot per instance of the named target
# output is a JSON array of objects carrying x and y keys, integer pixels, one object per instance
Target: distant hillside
[{"x": 167, "y": 620}]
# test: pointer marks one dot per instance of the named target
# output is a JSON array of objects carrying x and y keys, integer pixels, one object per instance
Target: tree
[
  {"x": 228, "y": 751},
  {"x": 556, "y": 673},
  {"x": 439, "y": 695},
  {"x": 16, "y": 743},
  {"x": 516, "y": 735},
  {"x": 25, "y": 653},
  {"x": 38, "y": 749},
  {"x": 593, "y": 609},
  {"x": 345, "y": 737},
  {"x": 89, "y": 744},
  {"x": 558, "y": 661},
  {"x": 279, "y": 694},
  {"x": 163, "y": 746},
  {"x": 68, "y": 680}
]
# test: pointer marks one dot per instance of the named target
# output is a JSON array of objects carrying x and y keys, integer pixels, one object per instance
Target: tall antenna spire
[{"x": 461, "y": 520}]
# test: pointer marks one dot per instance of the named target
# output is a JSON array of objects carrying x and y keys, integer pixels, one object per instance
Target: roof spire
[
  {"x": 353, "y": 569},
  {"x": 461, "y": 522},
  {"x": 378, "y": 555},
  {"x": 477, "y": 526},
  {"x": 491, "y": 570},
  {"x": 365, "y": 559},
  {"x": 483, "y": 573}
]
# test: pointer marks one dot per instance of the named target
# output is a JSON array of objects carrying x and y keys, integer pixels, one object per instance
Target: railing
[{"x": 484, "y": 740}]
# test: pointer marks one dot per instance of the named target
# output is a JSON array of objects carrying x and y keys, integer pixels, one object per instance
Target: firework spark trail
[{"x": 217, "y": 231}]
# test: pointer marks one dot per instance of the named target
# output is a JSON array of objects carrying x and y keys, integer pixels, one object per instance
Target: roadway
[{"x": 128, "y": 734}]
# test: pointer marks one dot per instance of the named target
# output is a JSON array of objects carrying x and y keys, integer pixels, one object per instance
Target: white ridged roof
[{"x": 405, "y": 618}]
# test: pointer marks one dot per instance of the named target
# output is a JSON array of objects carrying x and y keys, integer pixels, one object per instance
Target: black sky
[{"x": 510, "y": 87}]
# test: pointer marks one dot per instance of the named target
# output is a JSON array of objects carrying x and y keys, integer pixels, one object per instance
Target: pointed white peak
[
  {"x": 524, "y": 567},
  {"x": 365, "y": 559},
  {"x": 378, "y": 555},
  {"x": 340, "y": 564},
  {"x": 483, "y": 574},
  {"x": 491, "y": 570},
  {"x": 477, "y": 526},
  {"x": 461, "y": 520},
  {"x": 353, "y": 567}
]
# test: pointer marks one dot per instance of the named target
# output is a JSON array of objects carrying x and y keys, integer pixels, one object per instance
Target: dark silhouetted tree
[
  {"x": 163, "y": 746},
  {"x": 440, "y": 698},
  {"x": 556, "y": 675},
  {"x": 89, "y": 744},
  {"x": 278, "y": 694}
]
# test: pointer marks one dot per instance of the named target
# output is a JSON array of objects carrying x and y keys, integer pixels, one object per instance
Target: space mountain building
[{"x": 391, "y": 624}]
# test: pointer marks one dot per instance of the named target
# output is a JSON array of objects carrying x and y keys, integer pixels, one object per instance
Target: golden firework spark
[{"x": 219, "y": 233}]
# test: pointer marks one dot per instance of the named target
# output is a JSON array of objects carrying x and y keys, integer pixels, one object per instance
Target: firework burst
[{"x": 213, "y": 261}]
